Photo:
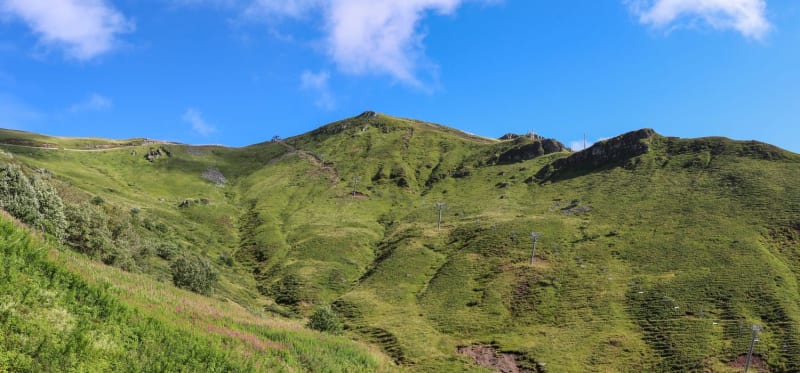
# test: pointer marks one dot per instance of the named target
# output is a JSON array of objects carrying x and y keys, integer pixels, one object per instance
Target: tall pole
[
  {"x": 440, "y": 207},
  {"x": 355, "y": 185},
  {"x": 753, "y": 341},
  {"x": 534, "y": 237}
]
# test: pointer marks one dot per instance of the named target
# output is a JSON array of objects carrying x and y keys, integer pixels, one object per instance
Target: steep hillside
[
  {"x": 653, "y": 253},
  {"x": 62, "y": 312}
]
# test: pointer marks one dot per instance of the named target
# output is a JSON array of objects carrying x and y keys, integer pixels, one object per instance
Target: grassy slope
[
  {"x": 684, "y": 247},
  {"x": 106, "y": 319}
]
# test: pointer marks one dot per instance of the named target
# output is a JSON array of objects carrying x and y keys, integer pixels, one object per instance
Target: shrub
[
  {"x": 33, "y": 201},
  {"x": 17, "y": 195},
  {"x": 167, "y": 250},
  {"x": 326, "y": 320},
  {"x": 194, "y": 273},
  {"x": 88, "y": 231},
  {"x": 53, "y": 219}
]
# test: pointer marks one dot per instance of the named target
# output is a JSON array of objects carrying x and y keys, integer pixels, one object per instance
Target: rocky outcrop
[
  {"x": 608, "y": 152},
  {"x": 156, "y": 153},
  {"x": 368, "y": 114},
  {"x": 527, "y": 151},
  {"x": 215, "y": 176}
]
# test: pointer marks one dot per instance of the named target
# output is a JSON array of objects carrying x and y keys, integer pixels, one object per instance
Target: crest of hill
[
  {"x": 34, "y": 140},
  {"x": 627, "y": 150},
  {"x": 388, "y": 124}
]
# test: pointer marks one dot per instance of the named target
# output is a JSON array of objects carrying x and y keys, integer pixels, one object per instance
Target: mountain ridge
[{"x": 418, "y": 238}]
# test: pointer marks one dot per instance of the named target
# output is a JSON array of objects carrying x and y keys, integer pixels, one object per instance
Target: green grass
[
  {"x": 63, "y": 312},
  {"x": 654, "y": 262}
]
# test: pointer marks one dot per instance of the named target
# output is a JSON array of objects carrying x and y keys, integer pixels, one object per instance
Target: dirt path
[
  {"x": 315, "y": 160},
  {"x": 71, "y": 150}
]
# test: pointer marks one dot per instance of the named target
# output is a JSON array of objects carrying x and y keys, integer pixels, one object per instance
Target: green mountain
[{"x": 652, "y": 253}]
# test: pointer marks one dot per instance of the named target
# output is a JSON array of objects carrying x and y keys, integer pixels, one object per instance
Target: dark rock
[
  {"x": 152, "y": 155},
  {"x": 510, "y": 136},
  {"x": 368, "y": 114},
  {"x": 609, "y": 152},
  {"x": 462, "y": 172},
  {"x": 524, "y": 152}
]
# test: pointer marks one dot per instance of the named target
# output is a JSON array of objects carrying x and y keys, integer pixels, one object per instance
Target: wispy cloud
[
  {"x": 199, "y": 125},
  {"x": 318, "y": 84},
  {"x": 84, "y": 29},
  {"x": 94, "y": 102},
  {"x": 748, "y": 17},
  {"x": 364, "y": 37}
]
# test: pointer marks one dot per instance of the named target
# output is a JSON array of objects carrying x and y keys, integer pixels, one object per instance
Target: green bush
[
  {"x": 33, "y": 201},
  {"x": 17, "y": 195},
  {"x": 167, "y": 250},
  {"x": 52, "y": 220},
  {"x": 88, "y": 231},
  {"x": 326, "y": 320},
  {"x": 194, "y": 273}
]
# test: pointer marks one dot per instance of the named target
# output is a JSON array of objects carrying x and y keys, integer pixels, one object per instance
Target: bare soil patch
[
  {"x": 490, "y": 357},
  {"x": 756, "y": 365}
]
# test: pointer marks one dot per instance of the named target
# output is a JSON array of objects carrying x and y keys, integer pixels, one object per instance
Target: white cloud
[
  {"x": 83, "y": 28},
  {"x": 318, "y": 84},
  {"x": 367, "y": 36},
  {"x": 199, "y": 125},
  {"x": 748, "y": 17},
  {"x": 95, "y": 102}
]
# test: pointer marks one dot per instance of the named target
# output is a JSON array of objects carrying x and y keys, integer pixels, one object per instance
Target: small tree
[
  {"x": 88, "y": 231},
  {"x": 17, "y": 195},
  {"x": 194, "y": 273},
  {"x": 326, "y": 320},
  {"x": 51, "y": 208}
]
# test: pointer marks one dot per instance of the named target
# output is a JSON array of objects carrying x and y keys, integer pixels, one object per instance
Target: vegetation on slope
[
  {"x": 53, "y": 320},
  {"x": 655, "y": 254}
]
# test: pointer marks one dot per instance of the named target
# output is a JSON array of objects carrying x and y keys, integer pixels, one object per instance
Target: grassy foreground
[{"x": 62, "y": 312}]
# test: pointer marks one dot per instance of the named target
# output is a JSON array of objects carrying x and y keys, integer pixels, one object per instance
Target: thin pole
[
  {"x": 756, "y": 329},
  {"x": 535, "y": 237},
  {"x": 440, "y": 206}
]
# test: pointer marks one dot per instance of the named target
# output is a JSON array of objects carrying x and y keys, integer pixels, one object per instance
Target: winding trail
[
  {"x": 71, "y": 150},
  {"x": 313, "y": 159}
]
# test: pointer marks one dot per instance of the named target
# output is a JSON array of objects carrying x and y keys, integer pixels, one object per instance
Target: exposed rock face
[
  {"x": 368, "y": 114},
  {"x": 510, "y": 136},
  {"x": 532, "y": 150},
  {"x": 156, "y": 153},
  {"x": 617, "y": 149},
  {"x": 215, "y": 176}
]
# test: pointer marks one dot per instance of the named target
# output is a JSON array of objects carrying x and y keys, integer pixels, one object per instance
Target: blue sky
[{"x": 238, "y": 72}]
